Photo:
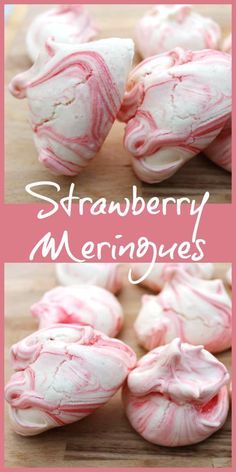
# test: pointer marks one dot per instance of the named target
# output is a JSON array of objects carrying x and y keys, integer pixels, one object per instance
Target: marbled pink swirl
[
  {"x": 65, "y": 23},
  {"x": 220, "y": 150},
  {"x": 106, "y": 275},
  {"x": 74, "y": 92},
  {"x": 177, "y": 395},
  {"x": 63, "y": 374},
  {"x": 165, "y": 27},
  {"x": 175, "y": 105},
  {"x": 197, "y": 311},
  {"x": 159, "y": 274},
  {"x": 86, "y": 304}
]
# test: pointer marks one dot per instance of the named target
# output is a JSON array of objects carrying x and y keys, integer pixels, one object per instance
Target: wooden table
[
  {"x": 110, "y": 173},
  {"x": 105, "y": 438}
]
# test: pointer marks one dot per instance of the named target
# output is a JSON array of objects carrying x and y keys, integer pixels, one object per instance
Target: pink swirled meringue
[
  {"x": 74, "y": 92},
  {"x": 195, "y": 310},
  {"x": 106, "y": 275},
  {"x": 65, "y": 23},
  {"x": 174, "y": 109},
  {"x": 227, "y": 44},
  {"x": 63, "y": 374},
  {"x": 86, "y": 304},
  {"x": 165, "y": 27},
  {"x": 177, "y": 395},
  {"x": 159, "y": 274},
  {"x": 220, "y": 150}
]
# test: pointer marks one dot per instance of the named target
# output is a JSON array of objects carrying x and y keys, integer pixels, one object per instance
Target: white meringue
[
  {"x": 63, "y": 374},
  {"x": 65, "y": 23},
  {"x": 106, "y": 275},
  {"x": 86, "y": 304},
  {"x": 220, "y": 150},
  {"x": 177, "y": 395},
  {"x": 74, "y": 92},
  {"x": 175, "y": 105},
  {"x": 165, "y": 27},
  {"x": 159, "y": 274},
  {"x": 227, "y": 44},
  {"x": 197, "y": 311}
]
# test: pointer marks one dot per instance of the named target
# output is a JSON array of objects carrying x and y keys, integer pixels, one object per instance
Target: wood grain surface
[
  {"x": 110, "y": 173},
  {"x": 105, "y": 438}
]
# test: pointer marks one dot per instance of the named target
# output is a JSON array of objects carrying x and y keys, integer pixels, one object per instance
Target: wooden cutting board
[
  {"x": 110, "y": 173},
  {"x": 105, "y": 438}
]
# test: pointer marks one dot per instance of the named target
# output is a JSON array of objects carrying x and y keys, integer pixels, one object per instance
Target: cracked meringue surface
[
  {"x": 86, "y": 304},
  {"x": 74, "y": 92},
  {"x": 165, "y": 27},
  {"x": 160, "y": 273},
  {"x": 195, "y": 310},
  {"x": 173, "y": 109},
  {"x": 65, "y": 23},
  {"x": 106, "y": 275},
  {"x": 63, "y": 374},
  {"x": 177, "y": 395}
]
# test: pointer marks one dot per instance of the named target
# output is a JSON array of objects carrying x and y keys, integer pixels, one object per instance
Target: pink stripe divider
[
  {"x": 22, "y": 230},
  {"x": 107, "y": 2}
]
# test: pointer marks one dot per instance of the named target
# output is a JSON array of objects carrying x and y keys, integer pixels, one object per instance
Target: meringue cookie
[
  {"x": 220, "y": 150},
  {"x": 74, "y": 93},
  {"x": 197, "y": 311},
  {"x": 106, "y": 275},
  {"x": 86, "y": 304},
  {"x": 63, "y": 374},
  {"x": 65, "y": 23},
  {"x": 159, "y": 274},
  {"x": 227, "y": 44},
  {"x": 165, "y": 27},
  {"x": 177, "y": 395},
  {"x": 174, "y": 109}
]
